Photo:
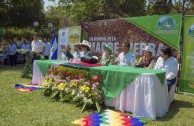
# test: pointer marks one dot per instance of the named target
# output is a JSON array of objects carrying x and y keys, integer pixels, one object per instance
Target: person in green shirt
[
  {"x": 85, "y": 47},
  {"x": 107, "y": 57}
]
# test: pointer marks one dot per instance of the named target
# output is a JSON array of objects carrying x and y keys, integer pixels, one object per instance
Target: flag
[{"x": 53, "y": 54}]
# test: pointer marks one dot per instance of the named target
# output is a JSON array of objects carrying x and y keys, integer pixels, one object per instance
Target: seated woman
[
  {"x": 147, "y": 61},
  {"x": 107, "y": 58},
  {"x": 85, "y": 47},
  {"x": 169, "y": 64}
]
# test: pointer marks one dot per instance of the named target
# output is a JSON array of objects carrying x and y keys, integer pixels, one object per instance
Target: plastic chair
[{"x": 172, "y": 90}]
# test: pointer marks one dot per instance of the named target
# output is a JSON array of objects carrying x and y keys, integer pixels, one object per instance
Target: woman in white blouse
[{"x": 169, "y": 64}]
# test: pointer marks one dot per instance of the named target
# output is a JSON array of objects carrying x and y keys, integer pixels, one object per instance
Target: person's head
[
  {"x": 45, "y": 40},
  {"x": 35, "y": 37},
  {"x": 77, "y": 47},
  {"x": 165, "y": 53},
  {"x": 68, "y": 48},
  {"x": 107, "y": 50},
  {"x": 148, "y": 51},
  {"x": 85, "y": 46},
  {"x": 11, "y": 41},
  {"x": 125, "y": 47}
]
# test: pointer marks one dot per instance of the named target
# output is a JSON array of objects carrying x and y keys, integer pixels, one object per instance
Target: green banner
[
  {"x": 74, "y": 36},
  {"x": 166, "y": 28},
  {"x": 187, "y": 68}
]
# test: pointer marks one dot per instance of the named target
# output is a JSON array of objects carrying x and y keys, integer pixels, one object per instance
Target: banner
[
  {"x": 166, "y": 28},
  {"x": 155, "y": 31},
  {"x": 74, "y": 35},
  {"x": 62, "y": 41},
  {"x": 187, "y": 68}
]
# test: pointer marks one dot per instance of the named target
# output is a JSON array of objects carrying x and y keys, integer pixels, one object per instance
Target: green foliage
[
  {"x": 27, "y": 70},
  {"x": 75, "y": 12},
  {"x": 21, "y": 13},
  {"x": 11, "y": 33}
]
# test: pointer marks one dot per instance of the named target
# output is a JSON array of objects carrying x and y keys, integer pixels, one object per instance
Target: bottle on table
[{"x": 133, "y": 61}]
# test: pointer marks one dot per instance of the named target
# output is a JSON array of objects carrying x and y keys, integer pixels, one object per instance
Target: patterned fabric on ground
[
  {"x": 109, "y": 118},
  {"x": 27, "y": 87}
]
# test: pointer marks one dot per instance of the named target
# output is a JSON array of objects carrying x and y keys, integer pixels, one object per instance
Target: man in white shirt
[
  {"x": 11, "y": 50},
  {"x": 47, "y": 48},
  {"x": 38, "y": 47},
  {"x": 124, "y": 58},
  {"x": 169, "y": 64}
]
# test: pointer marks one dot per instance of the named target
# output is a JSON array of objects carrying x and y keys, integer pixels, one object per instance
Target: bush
[{"x": 11, "y": 33}]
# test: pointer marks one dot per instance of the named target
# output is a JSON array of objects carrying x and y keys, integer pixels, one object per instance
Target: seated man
[
  {"x": 169, "y": 64},
  {"x": 125, "y": 57},
  {"x": 68, "y": 53}
]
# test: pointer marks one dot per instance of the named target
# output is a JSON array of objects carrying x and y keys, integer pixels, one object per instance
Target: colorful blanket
[
  {"x": 109, "y": 118},
  {"x": 27, "y": 87}
]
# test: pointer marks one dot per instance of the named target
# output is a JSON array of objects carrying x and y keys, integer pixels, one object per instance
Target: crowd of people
[{"x": 82, "y": 52}]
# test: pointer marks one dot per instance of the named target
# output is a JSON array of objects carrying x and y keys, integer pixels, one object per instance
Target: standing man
[
  {"x": 25, "y": 45},
  {"x": 38, "y": 47},
  {"x": 11, "y": 50},
  {"x": 125, "y": 57},
  {"x": 47, "y": 48}
]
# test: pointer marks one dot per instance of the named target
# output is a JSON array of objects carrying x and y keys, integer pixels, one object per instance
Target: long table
[
  {"x": 141, "y": 91},
  {"x": 40, "y": 67}
]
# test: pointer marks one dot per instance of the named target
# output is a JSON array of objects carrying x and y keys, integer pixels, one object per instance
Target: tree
[
  {"x": 170, "y": 6},
  {"x": 159, "y": 7},
  {"x": 183, "y": 6},
  {"x": 22, "y": 13},
  {"x": 75, "y": 12}
]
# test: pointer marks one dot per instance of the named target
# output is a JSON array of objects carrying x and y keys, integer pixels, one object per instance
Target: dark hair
[
  {"x": 167, "y": 51},
  {"x": 127, "y": 44}
]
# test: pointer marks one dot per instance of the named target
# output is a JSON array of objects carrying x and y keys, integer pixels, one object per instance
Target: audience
[{"x": 11, "y": 50}]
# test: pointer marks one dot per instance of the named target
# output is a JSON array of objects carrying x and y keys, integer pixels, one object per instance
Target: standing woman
[
  {"x": 85, "y": 47},
  {"x": 11, "y": 50},
  {"x": 147, "y": 61}
]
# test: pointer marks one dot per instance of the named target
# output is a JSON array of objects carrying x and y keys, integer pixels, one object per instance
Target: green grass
[{"x": 33, "y": 109}]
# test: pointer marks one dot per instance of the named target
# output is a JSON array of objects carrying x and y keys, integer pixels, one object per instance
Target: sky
[{"x": 48, "y": 3}]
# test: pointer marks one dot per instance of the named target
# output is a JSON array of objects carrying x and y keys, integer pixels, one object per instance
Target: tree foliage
[{"x": 21, "y": 13}]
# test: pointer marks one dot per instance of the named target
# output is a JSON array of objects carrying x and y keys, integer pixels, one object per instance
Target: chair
[{"x": 172, "y": 90}]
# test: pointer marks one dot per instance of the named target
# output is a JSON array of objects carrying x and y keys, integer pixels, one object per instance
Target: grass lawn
[{"x": 33, "y": 109}]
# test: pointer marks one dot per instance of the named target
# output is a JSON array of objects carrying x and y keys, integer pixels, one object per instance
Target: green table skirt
[{"x": 117, "y": 78}]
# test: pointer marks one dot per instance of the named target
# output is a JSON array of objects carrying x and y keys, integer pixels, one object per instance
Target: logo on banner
[
  {"x": 166, "y": 22},
  {"x": 191, "y": 30},
  {"x": 166, "y": 25}
]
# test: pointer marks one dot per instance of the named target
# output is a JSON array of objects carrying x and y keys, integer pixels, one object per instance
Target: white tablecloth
[
  {"x": 37, "y": 74},
  {"x": 144, "y": 97}
]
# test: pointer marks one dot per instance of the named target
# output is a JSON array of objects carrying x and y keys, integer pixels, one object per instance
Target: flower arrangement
[
  {"x": 73, "y": 85},
  {"x": 27, "y": 70}
]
